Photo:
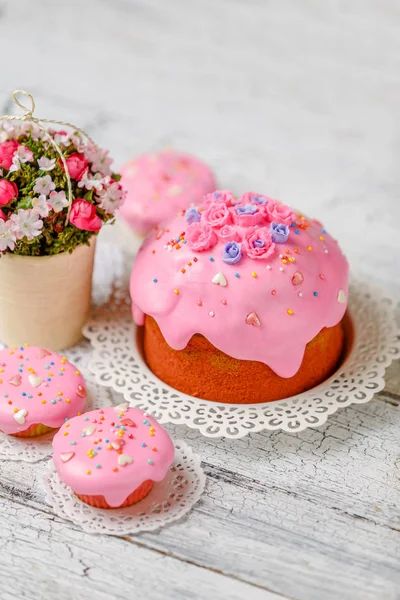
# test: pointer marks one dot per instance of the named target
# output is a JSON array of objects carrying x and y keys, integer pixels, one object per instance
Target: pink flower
[
  {"x": 217, "y": 214},
  {"x": 7, "y": 150},
  {"x": 83, "y": 216},
  {"x": 248, "y": 215},
  {"x": 254, "y": 198},
  {"x": 200, "y": 236},
  {"x": 228, "y": 233},
  {"x": 8, "y": 191},
  {"x": 280, "y": 213},
  {"x": 257, "y": 243},
  {"x": 77, "y": 165},
  {"x": 224, "y": 196}
]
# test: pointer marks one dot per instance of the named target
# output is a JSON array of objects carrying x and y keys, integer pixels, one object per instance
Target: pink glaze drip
[
  {"x": 260, "y": 314},
  {"x": 159, "y": 185},
  {"x": 143, "y": 440},
  {"x": 48, "y": 403}
]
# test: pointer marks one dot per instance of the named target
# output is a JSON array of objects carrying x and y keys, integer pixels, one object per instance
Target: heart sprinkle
[
  {"x": 89, "y": 430},
  {"x": 124, "y": 459},
  {"x": 20, "y": 416},
  {"x": 297, "y": 278},
  {"x": 219, "y": 279},
  {"x": 127, "y": 423},
  {"x": 66, "y": 456},
  {"x": 16, "y": 380},
  {"x": 34, "y": 380},
  {"x": 81, "y": 391},
  {"x": 253, "y": 319}
]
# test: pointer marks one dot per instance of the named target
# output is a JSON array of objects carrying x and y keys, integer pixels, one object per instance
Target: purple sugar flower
[
  {"x": 192, "y": 215},
  {"x": 246, "y": 209},
  {"x": 279, "y": 233},
  {"x": 232, "y": 253}
]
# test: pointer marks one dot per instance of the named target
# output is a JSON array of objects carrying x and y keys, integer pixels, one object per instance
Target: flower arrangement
[
  {"x": 36, "y": 217},
  {"x": 250, "y": 226}
]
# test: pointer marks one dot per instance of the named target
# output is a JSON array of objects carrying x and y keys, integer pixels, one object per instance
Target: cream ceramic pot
[{"x": 45, "y": 300}]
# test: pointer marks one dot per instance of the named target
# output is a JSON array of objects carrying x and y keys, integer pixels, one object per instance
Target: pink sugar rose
[
  {"x": 257, "y": 243},
  {"x": 228, "y": 233},
  {"x": 77, "y": 165},
  {"x": 8, "y": 191},
  {"x": 277, "y": 212},
  {"x": 248, "y": 215},
  {"x": 7, "y": 150},
  {"x": 200, "y": 236},
  {"x": 224, "y": 196},
  {"x": 216, "y": 214},
  {"x": 83, "y": 216}
]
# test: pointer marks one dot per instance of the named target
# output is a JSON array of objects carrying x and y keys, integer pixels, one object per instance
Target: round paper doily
[
  {"x": 35, "y": 449},
  {"x": 117, "y": 362},
  {"x": 168, "y": 501}
]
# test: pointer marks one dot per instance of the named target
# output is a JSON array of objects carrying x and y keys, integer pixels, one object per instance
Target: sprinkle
[
  {"x": 68, "y": 400},
  {"x": 195, "y": 259},
  {"x": 321, "y": 276},
  {"x": 155, "y": 280},
  {"x": 289, "y": 311},
  {"x": 315, "y": 293},
  {"x": 143, "y": 444},
  {"x": 296, "y": 231},
  {"x": 224, "y": 302},
  {"x": 183, "y": 270},
  {"x": 254, "y": 274},
  {"x": 65, "y": 433},
  {"x": 98, "y": 466},
  {"x": 309, "y": 248},
  {"x": 211, "y": 313},
  {"x": 88, "y": 472},
  {"x": 150, "y": 461},
  {"x": 269, "y": 267},
  {"x": 154, "y": 449},
  {"x": 321, "y": 237},
  {"x": 77, "y": 372},
  {"x": 199, "y": 303},
  {"x": 281, "y": 269},
  {"x": 59, "y": 393},
  {"x": 237, "y": 275},
  {"x": 211, "y": 259},
  {"x": 176, "y": 291},
  {"x": 73, "y": 443},
  {"x": 189, "y": 264},
  {"x": 326, "y": 250},
  {"x": 273, "y": 292}
]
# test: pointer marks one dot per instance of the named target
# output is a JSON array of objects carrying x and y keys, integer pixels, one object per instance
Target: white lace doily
[
  {"x": 117, "y": 362},
  {"x": 168, "y": 501},
  {"x": 35, "y": 449}
]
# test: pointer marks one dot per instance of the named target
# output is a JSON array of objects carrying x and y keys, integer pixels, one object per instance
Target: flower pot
[{"x": 45, "y": 300}]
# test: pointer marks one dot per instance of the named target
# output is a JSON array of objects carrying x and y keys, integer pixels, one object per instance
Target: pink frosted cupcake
[
  {"x": 39, "y": 390},
  {"x": 160, "y": 185},
  {"x": 111, "y": 457}
]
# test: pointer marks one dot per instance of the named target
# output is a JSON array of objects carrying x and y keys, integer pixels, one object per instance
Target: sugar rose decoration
[
  {"x": 250, "y": 226},
  {"x": 34, "y": 201}
]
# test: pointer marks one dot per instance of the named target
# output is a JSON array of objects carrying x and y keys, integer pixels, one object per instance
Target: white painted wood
[{"x": 296, "y": 99}]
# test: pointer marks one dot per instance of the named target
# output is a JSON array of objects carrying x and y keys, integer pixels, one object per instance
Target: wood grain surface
[{"x": 297, "y": 99}]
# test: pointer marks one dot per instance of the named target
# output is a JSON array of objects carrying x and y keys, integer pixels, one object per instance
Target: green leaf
[{"x": 24, "y": 203}]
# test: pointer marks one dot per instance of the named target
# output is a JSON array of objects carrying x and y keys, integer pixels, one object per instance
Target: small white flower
[
  {"x": 91, "y": 182},
  {"x": 46, "y": 164},
  {"x": 62, "y": 137},
  {"x": 7, "y": 236},
  {"x": 25, "y": 223},
  {"x": 21, "y": 155},
  {"x": 44, "y": 185},
  {"x": 99, "y": 159},
  {"x": 41, "y": 206},
  {"x": 112, "y": 198},
  {"x": 58, "y": 201}
]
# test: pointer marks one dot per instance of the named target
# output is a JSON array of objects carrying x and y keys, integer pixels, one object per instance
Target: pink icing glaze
[
  {"x": 159, "y": 185},
  {"x": 260, "y": 314},
  {"x": 87, "y": 441},
  {"x": 39, "y": 382}
]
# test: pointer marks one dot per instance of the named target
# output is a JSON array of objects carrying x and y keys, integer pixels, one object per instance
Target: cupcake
[
  {"x": 159, "y": 185},
  {"x": 111, "y": 457},
  {"x": 242, "y": 300},
  {"x": 39, "y": 389}
]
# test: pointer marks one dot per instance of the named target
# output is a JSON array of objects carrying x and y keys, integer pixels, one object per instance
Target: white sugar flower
[
  {"x": 91, "y": 182},
  {"x": 58, "y": 201},
  {"x": 41, "y": 206},
  {"x": 112, "y": 198},
  {"x": 25, "y": 223},
  {"x": 46, "y": 164},
  {"x": 44, "y": 185},
  {"x": 21, "y": 155},
  {"x": 99, "y": 159},
  {"x": 7, "y": 235}
]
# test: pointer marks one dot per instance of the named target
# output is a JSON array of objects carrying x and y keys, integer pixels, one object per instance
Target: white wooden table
[{"x": 297, "y": 99}]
